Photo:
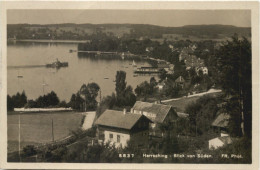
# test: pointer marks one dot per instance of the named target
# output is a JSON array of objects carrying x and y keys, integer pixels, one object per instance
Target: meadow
[{"x": 36, "y": 128}]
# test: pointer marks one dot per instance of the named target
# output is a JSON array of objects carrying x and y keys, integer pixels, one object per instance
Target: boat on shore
[{"x": 57, "y": 64}]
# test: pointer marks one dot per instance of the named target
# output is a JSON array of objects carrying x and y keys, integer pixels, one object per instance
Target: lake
[{"x": 64, "y": 81}]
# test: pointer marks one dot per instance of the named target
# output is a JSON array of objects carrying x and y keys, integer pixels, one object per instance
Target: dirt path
[
  {"x": 89, "y": 119},
  {"x": 198, "y": 94}
]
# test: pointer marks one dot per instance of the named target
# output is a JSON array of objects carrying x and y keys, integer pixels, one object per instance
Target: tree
[
  {"x": 202, "y": 113},
  {"x": 107, "y": 102},
  {"x": 90, "y": 92},
  {"x": 76, "y": 101},
  {"x": 84, "y": 91},
  {"x": 29, "y": 150},
  {"x": 10, "y": 103},
  {"x": 153, "y": 82},
  {"x": 16, "y": 101},
  {"x": 143, "y": 89},
  {"x": 130, "y": 98},
  {"x": 163, "y": 74},
  {"x": 235, "y": 73},
  {"x": 52, "y": 99},
  {"x": 120, "y": 83},
  {"x": 124, "y": 95}
]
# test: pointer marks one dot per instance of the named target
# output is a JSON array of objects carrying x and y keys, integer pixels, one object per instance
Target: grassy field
[
  {"x": 183, "y": 102},
  {"x": 36, "y": 128}
]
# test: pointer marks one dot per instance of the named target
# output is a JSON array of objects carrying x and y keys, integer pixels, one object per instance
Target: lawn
[
  {"x": 181, "y": 103},
  {"x": 37, "y": 127}
]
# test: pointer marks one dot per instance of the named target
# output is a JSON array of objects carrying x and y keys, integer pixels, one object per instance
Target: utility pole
[
  {"x": 52, "y": 130},
  {"x": 19, "y": 126}
]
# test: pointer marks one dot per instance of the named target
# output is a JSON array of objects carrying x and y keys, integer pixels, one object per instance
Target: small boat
[{"x": 134, "y": 65}]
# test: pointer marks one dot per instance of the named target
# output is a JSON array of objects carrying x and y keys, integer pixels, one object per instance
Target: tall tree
[
  {"x": 120, "y": 83},
  {"x": 90, "y": 92},
  {"x": 235, "y": 75}
]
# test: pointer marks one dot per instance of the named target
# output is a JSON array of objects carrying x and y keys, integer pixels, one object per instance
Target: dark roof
[
  {"x": 221, "y": 120},
  {"x": 118, "y": 119},
  {"x": 160, "y": 110},
  {"x": 180, "y": 79}
]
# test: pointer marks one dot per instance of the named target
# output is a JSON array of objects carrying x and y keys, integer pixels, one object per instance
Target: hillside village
[{"x": 186, "y": 109}]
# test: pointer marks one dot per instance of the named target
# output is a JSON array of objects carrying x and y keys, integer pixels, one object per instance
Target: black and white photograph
[{"x": 135, "y": 86}]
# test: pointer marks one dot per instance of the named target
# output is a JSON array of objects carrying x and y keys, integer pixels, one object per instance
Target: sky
[{"x": 169, "y": 18}]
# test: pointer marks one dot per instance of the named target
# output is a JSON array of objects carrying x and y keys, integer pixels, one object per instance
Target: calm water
[{"x": 63, "y": 81}]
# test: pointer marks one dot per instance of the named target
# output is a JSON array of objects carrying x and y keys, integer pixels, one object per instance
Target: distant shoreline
[
  {"x": 53, "y": 41},
  {"x": 35, "y": 113}
]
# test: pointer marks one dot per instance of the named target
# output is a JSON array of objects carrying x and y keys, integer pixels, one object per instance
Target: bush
[{"x": 29, "y": 150}]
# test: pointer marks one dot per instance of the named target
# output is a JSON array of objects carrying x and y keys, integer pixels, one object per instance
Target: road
[
  {"x": 89, "y": 120},
  {"x": 198, "y": 94}
]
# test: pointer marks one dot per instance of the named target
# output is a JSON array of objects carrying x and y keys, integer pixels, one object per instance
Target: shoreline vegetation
[{"x": 50, "y": 41}]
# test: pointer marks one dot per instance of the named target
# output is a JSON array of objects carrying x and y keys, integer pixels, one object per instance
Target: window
[
  {"x": 110, "y": 136},
  {"x": 118, "y": 138}
]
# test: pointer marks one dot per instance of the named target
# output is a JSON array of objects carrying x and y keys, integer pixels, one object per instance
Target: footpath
[
  {"x": 89, "y": 120},
  {"x": 198, "y": 94}
]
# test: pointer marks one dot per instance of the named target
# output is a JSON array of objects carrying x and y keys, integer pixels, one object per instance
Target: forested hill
[{"x": 83, "y": 31}]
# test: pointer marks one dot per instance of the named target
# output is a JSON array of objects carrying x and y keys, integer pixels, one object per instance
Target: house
[
  {"x": 118, "y": 127},
  {"x": 221, "y": 122},
  {"x": 180, "y": 81},
  {"x": 193, "y": 62},
  {"x": 157, "y": 113},
  {"x": 161, "y": 85},
  {"x": 219, "y": 142}
]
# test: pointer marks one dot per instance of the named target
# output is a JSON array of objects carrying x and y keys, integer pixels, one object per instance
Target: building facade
[{"x": 120, "y": 127}]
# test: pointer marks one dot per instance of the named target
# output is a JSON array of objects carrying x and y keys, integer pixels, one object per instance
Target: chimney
[{"x": 124, "y": 111}]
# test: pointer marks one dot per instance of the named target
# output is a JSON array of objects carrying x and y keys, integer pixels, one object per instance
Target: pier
[{"x": 148, "y": 70}]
